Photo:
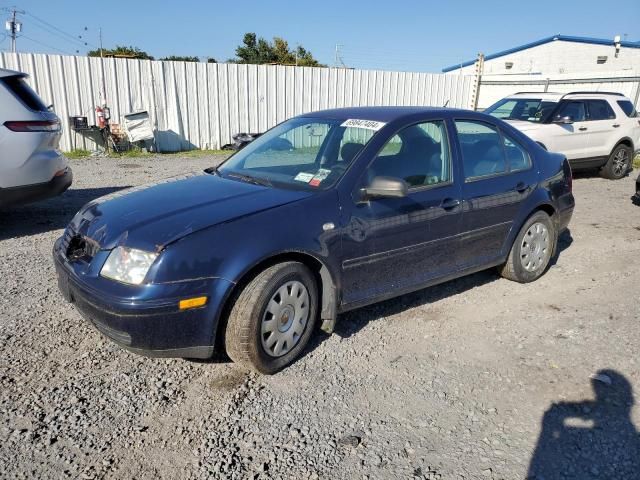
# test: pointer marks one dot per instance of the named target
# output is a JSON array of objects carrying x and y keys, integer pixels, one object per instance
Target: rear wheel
[
  {"x": 272, "y": 319},
  {"x": 532, "y": 249},
  {"x": 618, "y": 164}
]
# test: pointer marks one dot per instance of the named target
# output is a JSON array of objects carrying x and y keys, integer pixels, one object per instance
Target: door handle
[
  {"x": 616, "y": 125},
  {"x": 582, "y": 129},
  {"x": 450, "y": 203},
  {"x": 521, "y": 187}
]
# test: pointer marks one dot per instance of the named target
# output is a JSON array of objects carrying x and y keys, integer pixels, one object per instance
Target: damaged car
[{"x": 324, "y": 213}]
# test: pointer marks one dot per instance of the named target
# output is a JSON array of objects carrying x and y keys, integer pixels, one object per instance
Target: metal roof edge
[{"x": 566, "y": 38}]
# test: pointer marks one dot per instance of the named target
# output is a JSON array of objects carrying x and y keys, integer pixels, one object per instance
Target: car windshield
[
  {"x": 527, "y": 109},
  {"x": 303, "y": 152}
]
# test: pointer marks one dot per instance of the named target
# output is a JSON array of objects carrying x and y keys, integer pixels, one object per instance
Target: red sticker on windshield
[{"x": 315, "y": 182}]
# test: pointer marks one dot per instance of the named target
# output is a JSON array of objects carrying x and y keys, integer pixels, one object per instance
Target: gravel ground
[{"x": 476, "y": 378}]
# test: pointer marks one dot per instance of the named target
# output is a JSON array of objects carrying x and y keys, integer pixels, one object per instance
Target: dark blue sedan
[{"x": 324, "y": 213}]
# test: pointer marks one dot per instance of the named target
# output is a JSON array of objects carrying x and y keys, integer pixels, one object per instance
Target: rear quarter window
[
  {"x": 21, "y": 89},
  {"x": 628, "y": 108}
]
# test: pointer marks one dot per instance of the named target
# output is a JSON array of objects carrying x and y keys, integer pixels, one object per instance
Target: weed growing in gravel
[{"x": 77, "y": 153}]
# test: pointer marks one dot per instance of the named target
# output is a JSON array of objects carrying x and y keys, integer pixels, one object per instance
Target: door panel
[
  {"x": 492, "y": 200},
  {"x": 489, "y": 209},
  {"x": 571, "y": 139},
  {"x": 391, "y": 245},
  {"x": 602, "y": 125}
]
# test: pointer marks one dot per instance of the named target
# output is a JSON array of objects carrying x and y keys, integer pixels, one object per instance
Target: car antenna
[{"x": 445, "y": 103}]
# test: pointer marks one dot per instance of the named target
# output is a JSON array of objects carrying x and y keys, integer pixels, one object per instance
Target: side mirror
[
  {"x": 565, "y": 120},
  {"x": 385, "y": 187}
]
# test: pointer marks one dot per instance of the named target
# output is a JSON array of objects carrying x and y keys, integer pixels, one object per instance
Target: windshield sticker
[
  {"x": 367, "y": 124},
  {"x": 319, "y": 177},
  {"x": 303, "y": 177}
]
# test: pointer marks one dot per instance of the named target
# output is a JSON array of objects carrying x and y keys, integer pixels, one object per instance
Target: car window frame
[
  {"x": 563, "y": 102},
  {"x": 502, "y": 135},
  {"x": 420, "y": 188},
  {"x": 606, "y": 102},
  {"x": 519, "y": 144},
  {"x": 633, "y": 113}
]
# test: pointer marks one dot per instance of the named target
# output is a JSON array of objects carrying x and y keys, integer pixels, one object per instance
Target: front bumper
[
  {"x": 144, "y": 319},
  {"x": 34, "y": 193}
]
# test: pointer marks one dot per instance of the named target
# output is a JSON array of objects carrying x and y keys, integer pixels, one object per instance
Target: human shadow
[
  {"x": 592, "y": 439},
  {"x": 47, "y": 215}
]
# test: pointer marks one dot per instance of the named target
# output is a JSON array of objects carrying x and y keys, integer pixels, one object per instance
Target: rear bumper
[
  {"x": 33, "y": 193},
  {"x": 145, "y": 319},
  {"x": 566, "y": 204}
]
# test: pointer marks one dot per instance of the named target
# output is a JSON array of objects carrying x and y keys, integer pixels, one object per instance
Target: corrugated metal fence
[{"x": 201, "y": 105}]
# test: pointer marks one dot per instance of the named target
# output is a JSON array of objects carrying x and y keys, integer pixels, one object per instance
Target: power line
[
  {"x": 45, "y": 45},
  {"x": 69, "y": 36},
  {"x": 52, "y": 32}
]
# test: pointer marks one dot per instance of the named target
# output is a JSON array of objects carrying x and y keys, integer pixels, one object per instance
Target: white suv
[
  {"x": 592, "y": 129},
  {"x": 31, "y": 166}
]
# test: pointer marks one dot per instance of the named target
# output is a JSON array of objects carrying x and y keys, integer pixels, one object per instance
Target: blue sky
[{"x": 393, "y": 35}]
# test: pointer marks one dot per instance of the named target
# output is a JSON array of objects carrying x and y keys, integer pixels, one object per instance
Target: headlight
[{"x": 128, "y": 265}]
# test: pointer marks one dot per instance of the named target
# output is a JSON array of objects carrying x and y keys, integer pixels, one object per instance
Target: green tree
[
  {"x": 179, "y": 58},
  {"x": 121, "y": 51},
  {"x": 259, "y": 51}
]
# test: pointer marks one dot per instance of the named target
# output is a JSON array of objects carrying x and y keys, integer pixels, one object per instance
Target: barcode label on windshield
[{"x": 368, "y": 124}]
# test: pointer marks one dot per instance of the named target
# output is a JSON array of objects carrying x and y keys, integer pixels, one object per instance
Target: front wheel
[
  {"x": 618, "y": 164},
  {"x": 532, "y": 249},
  {"x": 273, "y": 318}
]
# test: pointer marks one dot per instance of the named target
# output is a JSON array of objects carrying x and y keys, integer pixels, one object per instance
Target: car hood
[
  {"x": 524, "y": 126},
  {"x": 153, "y": 216}
]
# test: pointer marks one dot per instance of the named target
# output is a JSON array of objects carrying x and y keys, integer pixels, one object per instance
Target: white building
[{"x": 560, "y": 54}]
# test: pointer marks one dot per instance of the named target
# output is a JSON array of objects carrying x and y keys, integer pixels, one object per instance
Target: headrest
[{"x": 350, "y": 150}]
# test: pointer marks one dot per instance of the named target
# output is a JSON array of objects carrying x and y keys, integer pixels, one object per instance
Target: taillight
[{"x": 34, "y": 126}]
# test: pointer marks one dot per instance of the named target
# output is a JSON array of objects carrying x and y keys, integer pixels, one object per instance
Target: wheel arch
[
  {"x": 324, "y": 278},
  {"x": 624, "y": 141}
]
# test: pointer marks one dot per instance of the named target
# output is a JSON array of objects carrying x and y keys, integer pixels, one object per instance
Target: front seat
[
  {"x": 419, "y": 160},
  {"x": 349, "y": 151}
]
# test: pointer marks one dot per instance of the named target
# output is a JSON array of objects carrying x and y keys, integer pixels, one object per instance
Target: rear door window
[
  {"x": 628, "y": 108},
  {"x": 21, "y": 89},
  {"x": 483, "y": 154},
  {"x": 600, "y": 110},
  {"x": 577, "y": 111},
  {"x": 517, "y": 156}
]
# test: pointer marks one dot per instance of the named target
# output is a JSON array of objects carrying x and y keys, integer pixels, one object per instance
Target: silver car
[{"x": 31, "y": 166}]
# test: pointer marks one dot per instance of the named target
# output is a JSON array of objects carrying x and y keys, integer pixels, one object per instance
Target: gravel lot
[{"x": 476, "y": 378}]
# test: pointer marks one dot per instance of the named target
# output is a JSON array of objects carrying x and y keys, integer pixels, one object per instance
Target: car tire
[
  {"x": 619, "y": 163},
  {"x": 532, "y": 249},
  {"x": 272, "y": 318}
]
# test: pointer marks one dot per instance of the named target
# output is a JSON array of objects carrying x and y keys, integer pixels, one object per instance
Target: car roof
[
  {"x": 384, "y": 114},
  {"x": 11, "y": 73},
  {"x": 552, "y": 96},
  {"x": 556, "y": 96}
]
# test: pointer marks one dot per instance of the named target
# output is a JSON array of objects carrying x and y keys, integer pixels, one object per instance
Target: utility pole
[
  {"x": 477, "y": 80},
  {"x": 338, "y": 58},
  {"x": 100, "y": 39},
  {"x": 14, "y": 27}
]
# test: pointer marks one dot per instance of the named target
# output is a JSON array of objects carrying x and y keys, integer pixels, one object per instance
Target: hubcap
[
  {"x": 620, "y": 160},
  {"x": 285, "y": 318},
  {"x": 536, "y": 248}
]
